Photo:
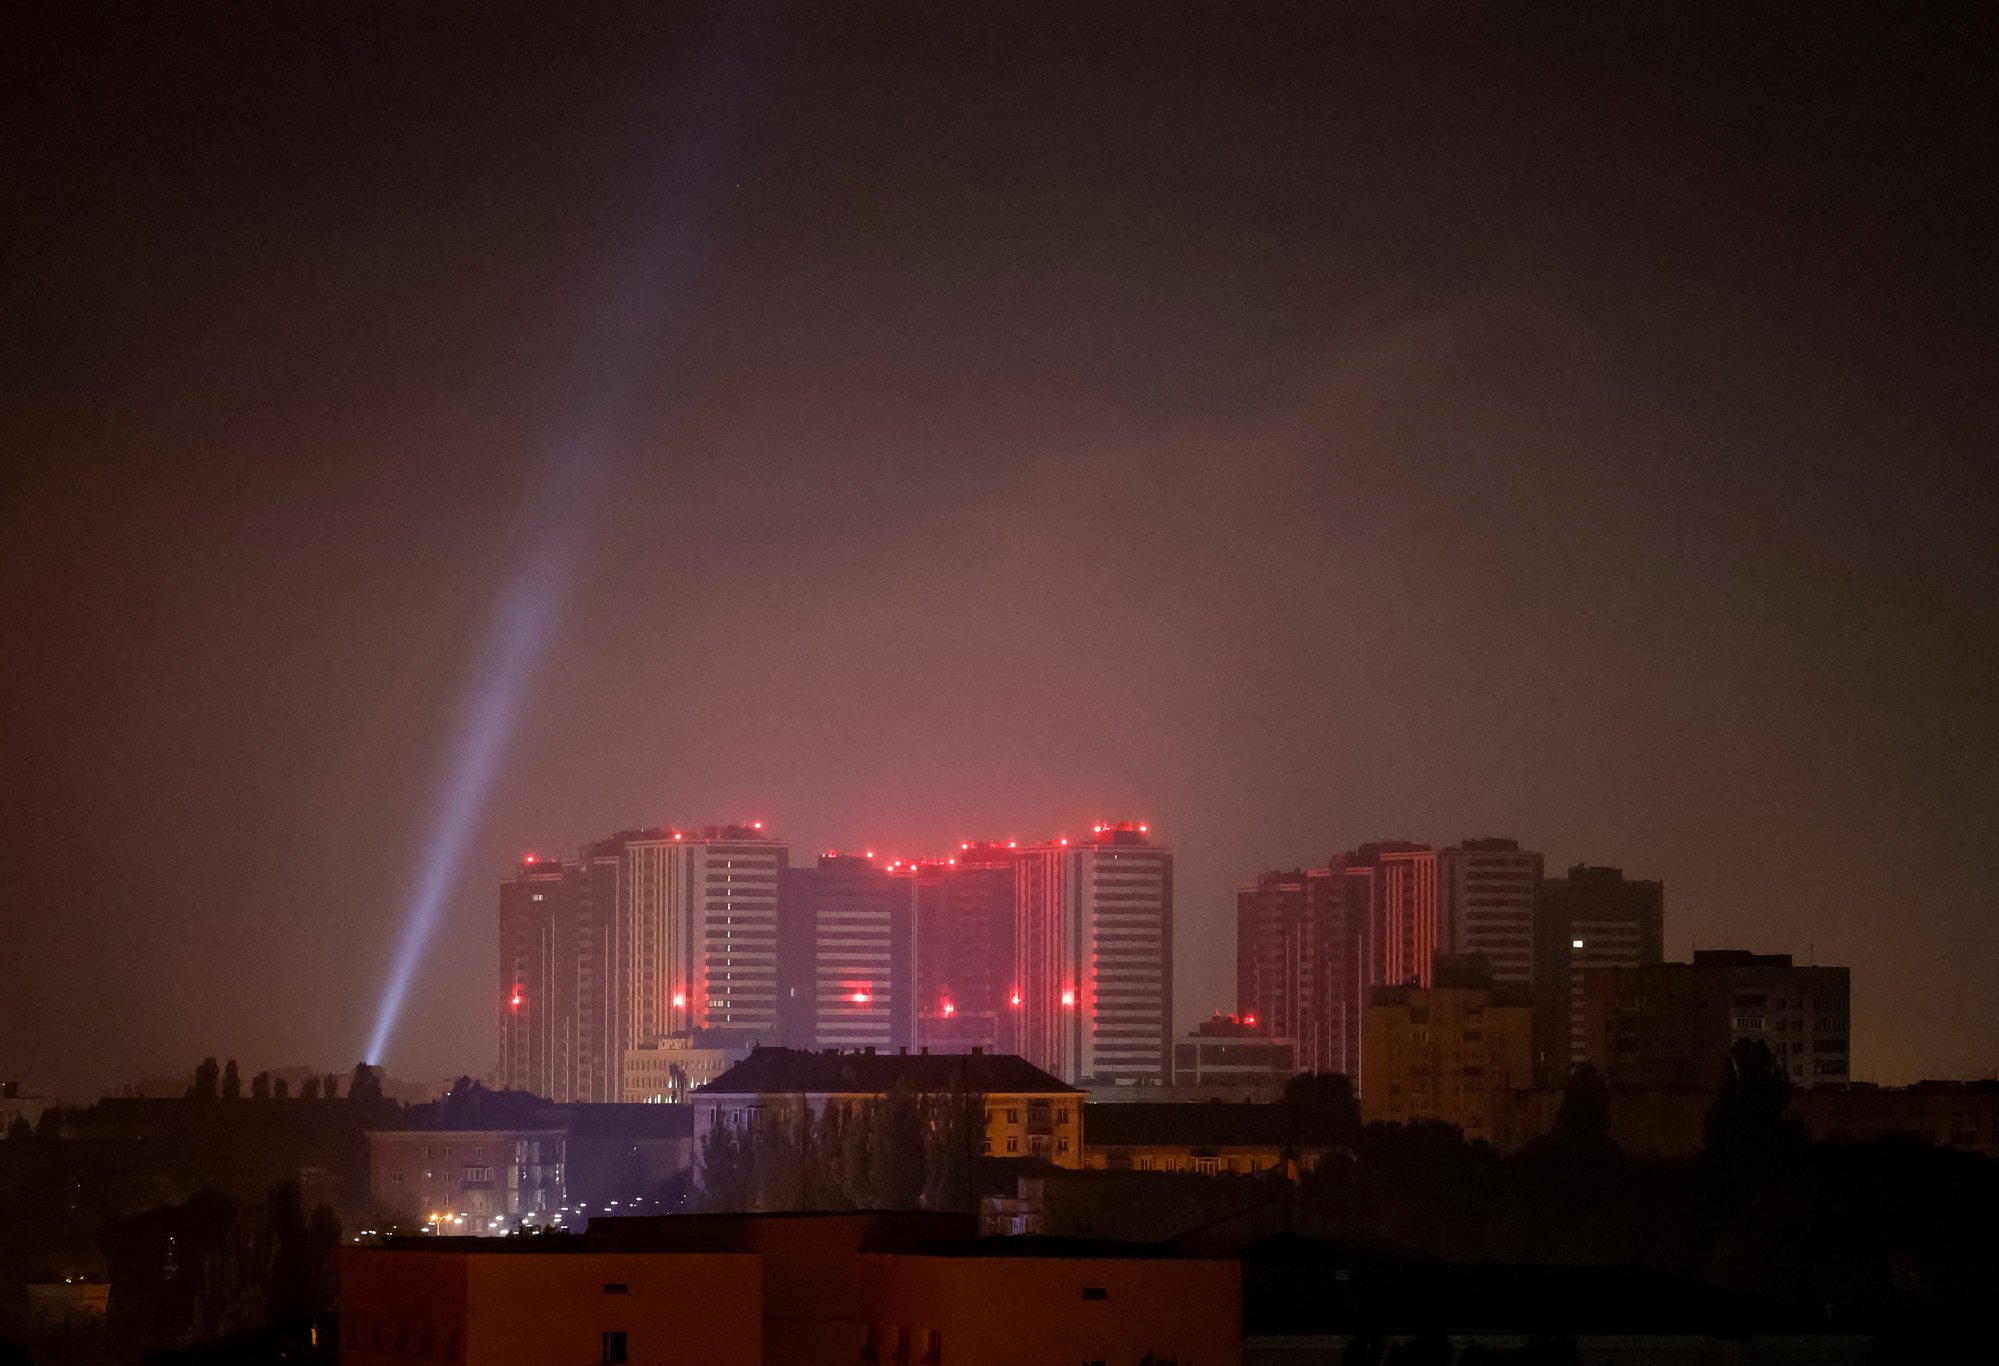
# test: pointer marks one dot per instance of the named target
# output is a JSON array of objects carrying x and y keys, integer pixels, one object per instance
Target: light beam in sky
[{"x": 638, "y": 298}]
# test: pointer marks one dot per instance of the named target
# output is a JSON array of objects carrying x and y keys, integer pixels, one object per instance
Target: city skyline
[{"x": 1336, "y": 427}]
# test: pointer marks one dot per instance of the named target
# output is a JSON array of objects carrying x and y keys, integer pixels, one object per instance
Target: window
[
  {"x": 479, "y": 1153},
  {"x": 1013, "y": 1145},
  {"x": 1095, "y": 1292},
  {"x": 614, "y": 1349},
  {"x": 1013, "y": 1116},
  {"x": 616, "y": 1288},
  {"x": 396, "y": 1178}
]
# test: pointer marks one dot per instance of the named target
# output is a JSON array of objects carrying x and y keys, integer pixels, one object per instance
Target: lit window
[
  {"x": 1575, "y": 943},
  {"x": 614, "y": 1349}
]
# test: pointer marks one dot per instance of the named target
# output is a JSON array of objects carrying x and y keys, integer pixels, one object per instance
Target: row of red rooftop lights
[
  {"x": 893, "y": 864},
  {"x": 862, "y": 997}
]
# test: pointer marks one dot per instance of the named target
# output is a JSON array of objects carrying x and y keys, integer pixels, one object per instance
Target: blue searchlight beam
[{"x": 701, "y": 114}]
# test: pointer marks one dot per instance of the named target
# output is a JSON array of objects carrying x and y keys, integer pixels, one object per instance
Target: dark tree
[
  {"x": 1747, "y": 1120},
  {"x": 896, "y": 1171},
  {"x": 322, "y": 1240},
  {"x": 232, "y": 1081},
  {"x": 50, "y": 1124},
  {"x": 332, "y": 1088},
  {"x": 280, "y": 1089},
  {"x": 1582, "y": 1126},
  {"x": 291, "y": 1287},
  {"x": 205, "y": 1080},
  {"x": 260, "y": 1086},
  {"x": 309, "y": 1089},
  {"x": 1322, "y": 1107},
  {"x": 366, "y": 1087},
  {"x": 20, "y": 1129}
]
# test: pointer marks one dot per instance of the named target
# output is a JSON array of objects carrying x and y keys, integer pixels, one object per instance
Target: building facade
[
  {"x": 963, "y": 908},
  {"x": 468, "y": 1181},
  {"x": 1234, "y": 1052},
  {"x": 1489, "y": 892},
  {"x": 1671, "y": 1025},
  {"x": 848, "y": 975},
  {"x": 1311, "y": 944},
  {"x": 670, "y": 931},
  {"x": 1594, "y": 918},
  {"x": 785, "y": 1290},
  {"x": 667, "y": 1070},
  {"x": 1093, "y": 924},
  {"x": 1441, "y": 1052},
  {"x": 537, "y": 976},
  {"x": 1028, "y": 1113}
]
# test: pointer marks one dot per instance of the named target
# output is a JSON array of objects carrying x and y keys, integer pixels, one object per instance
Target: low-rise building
[
  {"x": 1028, "y": 1113},
  {"x": 1950, "y": 1114},
  {"x": 1440, "y": 1052},
  {"x": 1211, "y": 1139},
  {"x": 467, "y": 1180},
  {"x": 668, "y": 1069},
  {"x": 1235, "y": 1053},
  {"x": 1669, "y": 1026},
  {"x": 788, "y": 1290}
]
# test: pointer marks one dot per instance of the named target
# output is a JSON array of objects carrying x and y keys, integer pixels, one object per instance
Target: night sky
[{"x": 1287, "y": 426}]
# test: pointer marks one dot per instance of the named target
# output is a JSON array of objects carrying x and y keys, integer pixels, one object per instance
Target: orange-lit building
[
  {"x": 527, "y": 1302},
  {"x": 1025, "y": 1301},
  {"x": 788, "y": 1290},
  {"x": 1440, "y": 1052}
]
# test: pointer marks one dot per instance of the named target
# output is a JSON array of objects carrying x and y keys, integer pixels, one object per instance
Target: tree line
[
  {"x": 901, "y": 1151},
  {"x": 225, "y": 1082}
]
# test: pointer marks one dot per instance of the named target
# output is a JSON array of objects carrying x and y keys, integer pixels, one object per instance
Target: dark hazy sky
[{"x": 1290, "y": 426}]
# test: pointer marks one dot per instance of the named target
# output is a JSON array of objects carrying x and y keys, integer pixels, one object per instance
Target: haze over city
[{"x": 1289, "y": 435}]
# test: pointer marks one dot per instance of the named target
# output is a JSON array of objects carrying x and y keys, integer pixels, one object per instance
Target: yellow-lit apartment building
[
  {"x": 1440, "y": 1052},
  {"x": 1028, "y": 1113}
]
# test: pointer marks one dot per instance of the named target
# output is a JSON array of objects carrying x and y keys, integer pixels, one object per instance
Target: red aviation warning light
[
  {"x": 532, "y": 858},
  {"x": 680, "y": 1000},
  {"x": 1249, "y": 1020},
  {"x": 515, "y": 1003},
  {"x": 949, "y": 1010},
  {"x": 861, "y": 998},
  {"x": 1068, "y": 998},
  {"x": 1016, "y": 999}
]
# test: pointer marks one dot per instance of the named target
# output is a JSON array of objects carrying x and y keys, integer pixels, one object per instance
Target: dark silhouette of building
[
  {"x": 1594, "y": 918},
  {"x": 1671, "y": 1025},
  {"x": 964, "y": 949},
  {"x": 537, "y": 976},
  {"x": 847, "y": 972}
]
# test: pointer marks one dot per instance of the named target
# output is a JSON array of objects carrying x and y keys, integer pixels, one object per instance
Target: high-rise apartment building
[
  {"x": 1093, "y": 958},
  {"x": 1404, "y": 920},
  {"x": 1669, "y": 1026},
  {"x": 848, "y": 963},
  {"x": 1592, "y": 919},
  {"x": 1310, "y": 945},
  {"x": 1489, "y": 888},
  {"x": 670, "y": 931},
  {"x": 535, "y": 981},
  {"x": 964, "y": 904},
  {"x": 1440, "y": 1052}
]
